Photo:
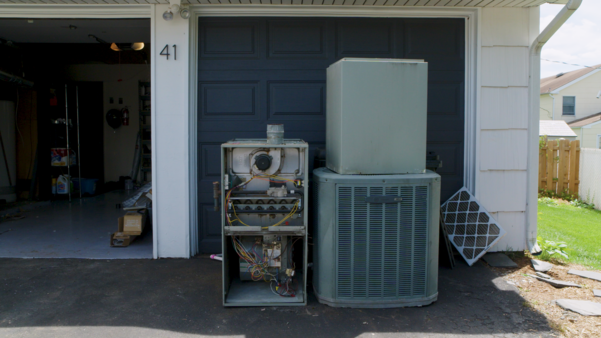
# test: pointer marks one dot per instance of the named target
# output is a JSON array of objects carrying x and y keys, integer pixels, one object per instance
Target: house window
[{"x": 569, "y": 105}]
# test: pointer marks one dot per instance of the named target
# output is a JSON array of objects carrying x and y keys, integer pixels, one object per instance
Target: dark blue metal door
[{"x": 255, "y": 71}]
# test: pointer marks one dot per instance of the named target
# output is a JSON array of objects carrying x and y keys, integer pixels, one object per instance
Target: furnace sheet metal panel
[
  {"x": 371, "y": 105},
  {"x": 264, "y": 204}
]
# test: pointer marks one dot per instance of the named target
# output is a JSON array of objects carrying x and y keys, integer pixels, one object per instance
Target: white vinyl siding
[
  {"x": 499, "y": 150},
  {"x": 504, "y": 108},
  {"x": 569, "y": 105},
  {"x": 503, "y": 127}
]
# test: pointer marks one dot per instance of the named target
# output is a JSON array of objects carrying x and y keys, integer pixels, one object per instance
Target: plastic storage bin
[{"x": 88, "y": 185}]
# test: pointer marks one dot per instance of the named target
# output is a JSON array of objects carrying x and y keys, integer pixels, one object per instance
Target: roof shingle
[
  {"x": 585, "y": 120},
  {"x": 551, "y": 83}
]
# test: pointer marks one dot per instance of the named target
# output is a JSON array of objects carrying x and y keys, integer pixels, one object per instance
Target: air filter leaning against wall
[{"x": 472, "y": 230}]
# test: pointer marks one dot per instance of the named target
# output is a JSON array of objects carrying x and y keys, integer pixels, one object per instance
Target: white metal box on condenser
[{"x": 376, "y": 116}]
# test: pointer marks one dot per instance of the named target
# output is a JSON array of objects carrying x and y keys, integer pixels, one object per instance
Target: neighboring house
[
  {"x": 241, "y": 66},
  {"x": 574, "y": 97},
  {"x": 588, "y": 130},
  {"x": 556, "y": 129}
]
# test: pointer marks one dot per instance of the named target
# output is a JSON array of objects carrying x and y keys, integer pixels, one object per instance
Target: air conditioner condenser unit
[{"x": 375, "y": 239}]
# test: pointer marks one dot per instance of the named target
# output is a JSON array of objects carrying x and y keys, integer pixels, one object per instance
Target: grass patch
[{"x": 580, "y": 228}]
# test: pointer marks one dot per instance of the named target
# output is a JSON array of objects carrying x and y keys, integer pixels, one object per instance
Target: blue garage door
[{"x": 255, "y": 71}]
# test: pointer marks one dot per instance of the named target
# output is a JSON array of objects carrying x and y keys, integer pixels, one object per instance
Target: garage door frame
[{"x": 472, "y": 65}]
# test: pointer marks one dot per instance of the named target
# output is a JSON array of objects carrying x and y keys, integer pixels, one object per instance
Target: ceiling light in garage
[
  {"x": 122, "y": 47},
  {"x": 115, "y": 47},
  {"x": 137, "y": 45}
]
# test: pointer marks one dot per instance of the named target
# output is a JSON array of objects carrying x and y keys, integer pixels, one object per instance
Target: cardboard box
[
  {"x": 119, "y": 239},
  {"x": 134, "y": 222}
]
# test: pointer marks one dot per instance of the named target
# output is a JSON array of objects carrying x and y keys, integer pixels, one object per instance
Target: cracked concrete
[{"x": 181, "y": 298}]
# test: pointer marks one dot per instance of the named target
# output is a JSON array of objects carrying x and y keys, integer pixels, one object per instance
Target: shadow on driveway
[{"x": 181, "y": 298}]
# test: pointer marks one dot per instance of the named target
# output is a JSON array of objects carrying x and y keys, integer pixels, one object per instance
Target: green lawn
[{"x": 580, "y": 228}]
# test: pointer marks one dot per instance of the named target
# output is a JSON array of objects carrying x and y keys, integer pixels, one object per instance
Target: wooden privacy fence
[{"x": 559, "y": 166}]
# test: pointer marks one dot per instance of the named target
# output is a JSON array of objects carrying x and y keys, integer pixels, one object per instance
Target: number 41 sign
[{"x": 165, "y": 52}]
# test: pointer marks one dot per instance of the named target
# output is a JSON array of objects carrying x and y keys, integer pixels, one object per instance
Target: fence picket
[
  {"x": 576, "y": 182},
  {"x": 559, "y": 166},
  {"x": 550, "y": 165},
  {"x": 573, "y": 189},
  {"x": 542, "y": 164}
]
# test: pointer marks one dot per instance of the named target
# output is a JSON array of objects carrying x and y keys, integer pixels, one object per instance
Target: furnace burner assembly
[{"x": 263, "y": 195}]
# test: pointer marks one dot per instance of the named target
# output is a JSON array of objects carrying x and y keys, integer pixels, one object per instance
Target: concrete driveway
[{"x": 181, "y": 298}]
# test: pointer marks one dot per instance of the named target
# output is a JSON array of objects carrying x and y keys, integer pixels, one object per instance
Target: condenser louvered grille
[{"x": 382, "y": 247}]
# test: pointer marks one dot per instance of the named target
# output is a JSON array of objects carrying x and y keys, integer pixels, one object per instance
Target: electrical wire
[
  {"x": 570, "y": 64},
  {"x": 236, "y": 218},
  {"x": 258, "y": 265}
]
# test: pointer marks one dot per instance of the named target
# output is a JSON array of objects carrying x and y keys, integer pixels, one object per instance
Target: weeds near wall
[{"x": 552, "y": 249}]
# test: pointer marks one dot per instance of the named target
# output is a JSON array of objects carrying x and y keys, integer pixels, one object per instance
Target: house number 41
[{"x": 165, "y": 52}]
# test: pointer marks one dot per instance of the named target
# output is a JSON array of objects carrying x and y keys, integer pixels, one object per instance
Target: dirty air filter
[{"x": 472, "y": 230}]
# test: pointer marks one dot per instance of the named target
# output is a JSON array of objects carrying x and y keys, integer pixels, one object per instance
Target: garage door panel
[
  {"x": 210, "y": 152},
  {"x": 450, "y": 154},
  {"x": 262, "y": 75},
  {"x": 294, "y": 129},
  {"x": 440, "y": 44},
  {"x": 274, "y": 64},
  {"x": 237, "y": 39},
  {"x": 210, "y": 235},
  {"x": 372, "y": 38},
  {"x": 287, "y": 99},
  {"x": 233, "y": 98},
  {"x": 290, "y": 39},
  {"x": 445, "y": 98},
  {"x": 273, "y": 70}
]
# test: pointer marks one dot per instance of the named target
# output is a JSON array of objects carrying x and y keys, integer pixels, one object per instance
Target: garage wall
[
  {"x": 503, "y": 118},
  {"x": 119, "y": 144}
]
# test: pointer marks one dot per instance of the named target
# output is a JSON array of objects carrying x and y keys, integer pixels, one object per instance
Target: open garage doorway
[{"x": 75, "y": 110}]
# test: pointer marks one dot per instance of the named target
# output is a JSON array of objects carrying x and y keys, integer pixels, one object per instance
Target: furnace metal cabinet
[
  {"x": 376, "y": 116},
  {"x": 264, "y": 199}
]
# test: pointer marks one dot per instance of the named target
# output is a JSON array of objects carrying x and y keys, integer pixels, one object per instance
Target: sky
[{"x": 578, "y": 41}]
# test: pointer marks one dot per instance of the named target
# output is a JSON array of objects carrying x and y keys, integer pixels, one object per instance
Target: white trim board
[
  {"x": 42, "y": 11},
  {"x": 472, "y": 77},
  {"x": 153, "y": 135}
]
